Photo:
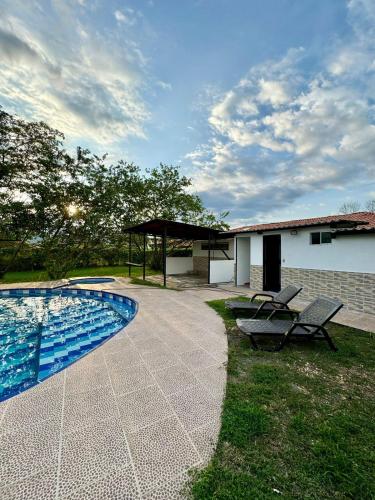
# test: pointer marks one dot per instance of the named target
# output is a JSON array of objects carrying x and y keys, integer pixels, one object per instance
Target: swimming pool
[{"x": 42, "y": 331}]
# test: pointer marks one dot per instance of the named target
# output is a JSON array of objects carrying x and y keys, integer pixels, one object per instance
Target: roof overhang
[
  {"x": 342, "y": 224},
  {"x": 174, "y": 229},
  {"x": 353, "y": 231}
]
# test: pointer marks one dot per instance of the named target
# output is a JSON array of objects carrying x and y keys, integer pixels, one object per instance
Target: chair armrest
[
  {"x": 305, "y": 326},
  {"x": 284, "y": 307},
  {"x": 273, "y": 302},
  {"x": 261, "y": 294},
  {"x": 311, "y": 325},
  {"x": 292, "y": 314}
]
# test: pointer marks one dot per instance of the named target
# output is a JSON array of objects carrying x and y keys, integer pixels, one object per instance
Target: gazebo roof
[{"x": 173, "y": 229}]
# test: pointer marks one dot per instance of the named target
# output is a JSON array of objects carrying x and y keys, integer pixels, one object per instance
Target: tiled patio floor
[{"x": 128, "y": 420}]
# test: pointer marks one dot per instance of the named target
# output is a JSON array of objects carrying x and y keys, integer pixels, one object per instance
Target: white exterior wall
[
  {"x": 221, "y": 271},
  {"x": 243, "y": 259},
  {"x": 179, "y": 265},
  {"x": 256, "y": 252},
  {"x": 345, "y": 253},
  {"x": 215, "y": 254}
]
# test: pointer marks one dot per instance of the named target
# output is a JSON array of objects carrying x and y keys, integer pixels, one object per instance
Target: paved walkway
[{"x": 128, "y": 420}]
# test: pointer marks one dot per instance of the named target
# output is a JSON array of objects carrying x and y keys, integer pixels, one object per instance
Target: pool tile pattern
[{"x": 129, "y": 419}]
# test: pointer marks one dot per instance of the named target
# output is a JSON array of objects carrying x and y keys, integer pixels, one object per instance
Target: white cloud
[
  {"x": 272, "y": 92},
  {"x": 77, "y": 79},
  {"x": 126, "y": 17},
  {"x": 282, "y": 132},
  {"x": 164, "y": 85},
  {"x": 120, "y": 16}
]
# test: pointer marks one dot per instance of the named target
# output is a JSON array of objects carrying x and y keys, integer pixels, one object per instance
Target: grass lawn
[
  {"x": 23, "y": 276},
  {"x": 295, "y": 424}
]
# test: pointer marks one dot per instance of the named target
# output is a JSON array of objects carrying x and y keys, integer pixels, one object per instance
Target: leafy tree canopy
[{"x": 68, "y": 203}]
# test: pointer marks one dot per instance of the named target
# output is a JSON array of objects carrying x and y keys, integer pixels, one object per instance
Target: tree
[
  {"x": 166, "y": 195},
  {"x": 73, "y": 204},
  {"x": 350, "y": 207},
  {"x": 370, "y": 205},
  {"x": 31, "y": 161},
  {"x": 103, "y": 201},
  {"x": 40, "y": 184}
]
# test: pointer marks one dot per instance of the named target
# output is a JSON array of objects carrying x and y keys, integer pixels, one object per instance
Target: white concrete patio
[{"x": 128, "y": 420}]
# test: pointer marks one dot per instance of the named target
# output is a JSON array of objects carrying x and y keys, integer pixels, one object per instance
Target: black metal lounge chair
[
  {"x": 278, "y": 301},
  {"x": 308, "y": 324}
]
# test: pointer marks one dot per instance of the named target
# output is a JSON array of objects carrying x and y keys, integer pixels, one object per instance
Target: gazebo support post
[
  {"x": 144, "y": 256},
  {"x": 236, "y": 261},
  {"x": 165, "y": 256},
  {"x": 209, "y": 258},
  {"x": 130, "y": 255}
]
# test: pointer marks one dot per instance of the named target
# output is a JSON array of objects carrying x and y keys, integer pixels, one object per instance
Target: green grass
[
  {"x": 295, "y": 424},
  {"x": 24, "y": 276}
]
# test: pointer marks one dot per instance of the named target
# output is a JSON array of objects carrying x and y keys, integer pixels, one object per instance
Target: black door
[{"x": 271, "y": 262}]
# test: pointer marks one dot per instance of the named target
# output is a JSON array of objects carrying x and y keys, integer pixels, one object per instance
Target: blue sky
[{"x": 269, "y": 105}]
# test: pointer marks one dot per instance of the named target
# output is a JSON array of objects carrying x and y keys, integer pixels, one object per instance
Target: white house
[{"x": 332, "y": 255}]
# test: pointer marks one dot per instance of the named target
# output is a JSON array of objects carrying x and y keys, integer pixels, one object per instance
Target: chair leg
[
  {"x": 254, "y": 316},
  {"x": 253, "y": 342},
  {"x": 328, "y": 339},
  {"x": 284, "y": 340}
]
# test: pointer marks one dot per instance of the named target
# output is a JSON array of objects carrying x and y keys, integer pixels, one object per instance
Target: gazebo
[{"x": 164, "y": 229}]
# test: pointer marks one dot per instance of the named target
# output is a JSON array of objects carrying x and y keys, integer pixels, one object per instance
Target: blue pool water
[{"x": 43, "y": 331}]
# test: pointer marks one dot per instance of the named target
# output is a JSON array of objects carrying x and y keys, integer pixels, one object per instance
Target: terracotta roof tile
[{"x": 366, "y": 218}]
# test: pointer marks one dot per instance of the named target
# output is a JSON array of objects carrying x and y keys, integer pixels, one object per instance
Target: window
[
  {"x": 315, "y": 238},
  {"x": 224, "y": 245},
  {"x": 326, "y": 237},
  {"x": 318, "y": 238}
]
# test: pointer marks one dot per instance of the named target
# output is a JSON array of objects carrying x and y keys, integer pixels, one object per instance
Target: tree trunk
[{"x": 6, "y": 268}]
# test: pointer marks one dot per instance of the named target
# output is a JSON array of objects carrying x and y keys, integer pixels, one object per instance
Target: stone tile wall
[
  {"x": 356, "y": 290},
  {"x": 256, "y": 277},
  {"x": 200, "y": 266}
]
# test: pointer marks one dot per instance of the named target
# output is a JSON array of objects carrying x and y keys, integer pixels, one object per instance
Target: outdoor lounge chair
[
  {"x": 307, "y": 324},
  {"x": 278, "y": 301}
]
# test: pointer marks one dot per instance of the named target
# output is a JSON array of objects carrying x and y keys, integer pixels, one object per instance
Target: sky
[{"x": 268, "y": 105}]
